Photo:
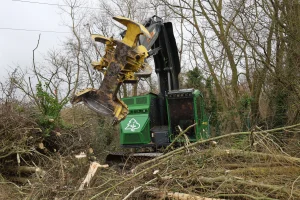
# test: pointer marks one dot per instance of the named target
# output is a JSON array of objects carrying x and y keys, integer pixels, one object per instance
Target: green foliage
[
  {"x": 280, "y": 102},
  {"x": 195, "y": 79},
  {"x": 213, "y": 107},
  {"x": 244, "y": 109},
  {"x": 245, "y": 102},
  {"x": 50, "y": 108}
]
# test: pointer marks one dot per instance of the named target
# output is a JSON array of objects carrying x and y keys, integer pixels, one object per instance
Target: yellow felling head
[{"x": 134, "y": 29}]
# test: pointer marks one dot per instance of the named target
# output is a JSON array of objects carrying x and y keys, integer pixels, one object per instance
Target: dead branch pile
[
  {"x": 248, "y": 165},
  {"x": 30, "y": 156},
  {"x": 262, "y": 164}
]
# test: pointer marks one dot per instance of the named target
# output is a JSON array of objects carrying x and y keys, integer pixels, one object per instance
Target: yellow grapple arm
[{"x": 123, "y": 62}]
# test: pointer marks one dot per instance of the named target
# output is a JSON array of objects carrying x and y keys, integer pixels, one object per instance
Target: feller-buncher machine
[{"x": 150, "y": 120}]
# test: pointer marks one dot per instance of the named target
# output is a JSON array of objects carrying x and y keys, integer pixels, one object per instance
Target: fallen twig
[{"x": 138, "y": 188}]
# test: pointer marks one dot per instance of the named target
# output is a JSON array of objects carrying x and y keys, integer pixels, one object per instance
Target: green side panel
[
  {"x": 135, "y": 129},
  {"x": 201, "y": 117}
]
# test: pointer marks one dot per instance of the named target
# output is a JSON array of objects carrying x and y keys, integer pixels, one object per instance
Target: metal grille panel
[{"x": 141, "y": 100}]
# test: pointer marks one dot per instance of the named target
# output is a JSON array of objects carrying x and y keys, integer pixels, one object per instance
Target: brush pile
[
  {"x": 248, "y": 165},
  {"x": 261, "y": 164},
  {"x": 31, "y": 155}
]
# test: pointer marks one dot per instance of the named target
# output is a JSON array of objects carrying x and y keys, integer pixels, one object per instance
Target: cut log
[{"x": 175, "y": 195}]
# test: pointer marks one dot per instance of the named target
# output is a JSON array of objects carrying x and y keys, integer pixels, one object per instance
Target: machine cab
[{"x": 185, "y": 108}]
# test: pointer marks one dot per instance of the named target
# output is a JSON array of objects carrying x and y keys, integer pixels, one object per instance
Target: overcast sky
[{"x": 16, "y": 45}]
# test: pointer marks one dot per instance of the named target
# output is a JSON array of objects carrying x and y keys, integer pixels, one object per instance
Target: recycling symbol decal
[{"x": 132, "y": 125}]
